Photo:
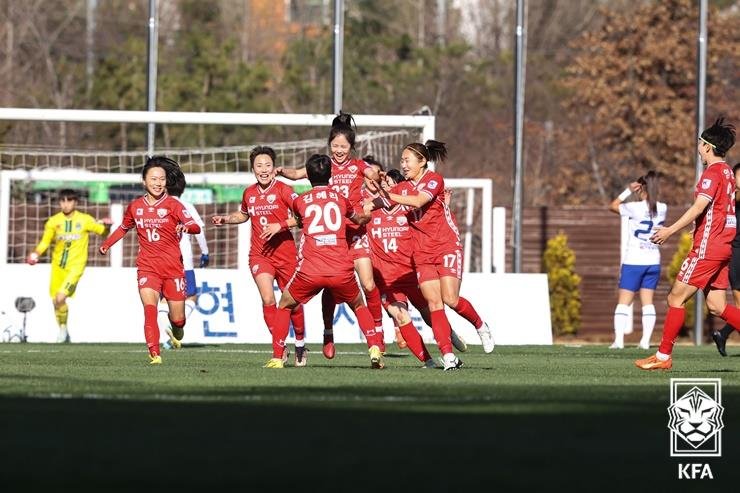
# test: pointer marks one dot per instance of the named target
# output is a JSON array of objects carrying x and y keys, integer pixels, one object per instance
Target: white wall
[{"x": 106, "y": 308}]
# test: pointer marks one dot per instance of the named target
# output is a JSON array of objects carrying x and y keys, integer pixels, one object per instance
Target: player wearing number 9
[
  {"x": 641, "y": 260},
  {"x": 159, "y": 220},
  {"x": 272, "y": 252}
]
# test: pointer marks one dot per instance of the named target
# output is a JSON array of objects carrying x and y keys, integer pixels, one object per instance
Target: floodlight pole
[
  {"x": 338, "y": 54},
  {"x": 518, "y": 138},
  {"x": 151, "y": 73},
  {"x": 701, "y": 93}
]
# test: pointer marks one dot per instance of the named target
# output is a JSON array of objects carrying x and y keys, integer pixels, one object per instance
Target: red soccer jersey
[
  {"x": 434, "y": 229},
  {"x": 323, "y": 249},
  {"x": 159, "y": 244},
  {"x": 265, "y": 206},
  {"x": 715, "y": 227},
  {"x": 391, "y": 242},
  {"x": 347, "y": 179}
]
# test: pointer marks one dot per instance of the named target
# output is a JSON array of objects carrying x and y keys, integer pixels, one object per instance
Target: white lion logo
[{"x": 695, "y": 417}]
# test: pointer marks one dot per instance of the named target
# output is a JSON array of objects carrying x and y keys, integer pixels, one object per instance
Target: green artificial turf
[{"x": 523, "y": 418}]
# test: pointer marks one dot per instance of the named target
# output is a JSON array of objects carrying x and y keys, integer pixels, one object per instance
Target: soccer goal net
[{"x": 107, "y": 181}]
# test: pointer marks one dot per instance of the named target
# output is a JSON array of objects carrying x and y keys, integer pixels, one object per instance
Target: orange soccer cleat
[
  {"x": 328, "y": 348},
  {"x": 653, "y": 363}
]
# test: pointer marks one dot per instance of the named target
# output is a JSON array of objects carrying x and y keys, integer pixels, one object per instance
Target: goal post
[{"x": 471, "y": 197}]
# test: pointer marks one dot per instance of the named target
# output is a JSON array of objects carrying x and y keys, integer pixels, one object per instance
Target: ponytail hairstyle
[
  {"x": 175, "y": 177},
  {"x": 343, "y": 124},
  {"x": 432, "y": 150},
  {"x": 649, "y": 183},
  {"x": 720, "y": 136}
]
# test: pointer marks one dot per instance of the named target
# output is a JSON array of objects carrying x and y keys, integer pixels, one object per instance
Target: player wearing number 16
[
  {"x": 706, "y": 265},
  {"x": 641, "y": 260},
  {"x": 159, "y": 220}
]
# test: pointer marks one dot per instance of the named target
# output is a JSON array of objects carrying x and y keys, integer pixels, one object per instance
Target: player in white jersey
[
  {"x": 641, "y": 261},
  {"x": 175, "y": 187}
]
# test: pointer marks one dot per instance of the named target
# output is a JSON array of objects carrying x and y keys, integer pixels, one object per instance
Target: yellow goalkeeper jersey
[{"x": 70, "y": 236}]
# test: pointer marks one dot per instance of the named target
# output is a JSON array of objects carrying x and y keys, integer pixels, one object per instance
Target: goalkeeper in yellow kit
[{"x": 69, "y": 230}]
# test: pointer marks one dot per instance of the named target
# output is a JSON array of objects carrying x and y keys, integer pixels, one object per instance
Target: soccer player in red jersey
[
  {"x": 436, "y": 245},
  {"x": 272, "y": 254},
  {"x": 323, "y": 259},
  {"x": 706, "y": 265},
  {"x": 159, "y": 220},
  {"x": 347, "y": 177}
]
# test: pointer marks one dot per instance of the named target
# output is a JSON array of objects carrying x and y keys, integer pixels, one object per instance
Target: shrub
[{"x": 559, "y": 262}]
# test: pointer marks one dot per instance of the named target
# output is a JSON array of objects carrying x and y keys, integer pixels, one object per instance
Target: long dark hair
[{"x": 649, "y": 183}]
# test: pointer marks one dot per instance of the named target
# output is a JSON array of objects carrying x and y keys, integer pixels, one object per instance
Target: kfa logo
[{"x": 695, "y": 423}]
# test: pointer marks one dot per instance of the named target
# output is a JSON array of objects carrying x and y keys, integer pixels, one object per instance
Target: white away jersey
[
  {"x": 186, "y": 245},
  {"x": 640, "y": 250}
]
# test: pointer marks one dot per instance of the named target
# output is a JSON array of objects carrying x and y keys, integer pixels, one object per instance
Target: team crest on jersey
[
  {"x": 271, "y": 198},
  {"x": 161, "y": 212},
  {"x": 353, "y": 168},
  {"x": 706, "y": 183},
  {"x": 252, "y": 199},
  {"x": 432, "y": 184},
  {"x": 139, "y": 211},
  {"x": 402, "y": 221},
  {"x": 377, "y": 220},
  {"x": 78, "y": 226}
]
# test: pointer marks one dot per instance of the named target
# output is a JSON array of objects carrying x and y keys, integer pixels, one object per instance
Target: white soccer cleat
[
  {"x": 486, "y": 338},
  {"x": 617, "y": 346},
  {"x": 644, "y": 345},
  {"x": 451, "y": 362},
  {"x": 458, "y": 342},
  {"x": 63, "y": 335}
]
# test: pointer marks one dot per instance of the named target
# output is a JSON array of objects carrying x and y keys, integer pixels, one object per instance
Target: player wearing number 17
[
  {"x": 706, "y": 265},
  {"x": 159, "y": 220},
  {"x": 436, "y": 242}
]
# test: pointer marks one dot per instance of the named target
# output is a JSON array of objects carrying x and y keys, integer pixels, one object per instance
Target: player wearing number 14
[{"x": 159, "y": 220}]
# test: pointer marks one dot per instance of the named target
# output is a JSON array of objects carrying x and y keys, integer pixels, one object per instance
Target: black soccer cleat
[{"x": 721, "y": 341}]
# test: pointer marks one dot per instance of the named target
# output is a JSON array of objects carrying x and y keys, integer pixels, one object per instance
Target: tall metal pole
[
  {"x": 89, "y": 43},
  {"x": 338, "y": 54},
  {"x": 701, "y": 92},
  {"x": 151, "y": 73},
  {"x": 518, "y": 137}
]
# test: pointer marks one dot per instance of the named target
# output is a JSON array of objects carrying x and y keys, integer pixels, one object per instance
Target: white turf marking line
[{"x": 261, "y": 398}]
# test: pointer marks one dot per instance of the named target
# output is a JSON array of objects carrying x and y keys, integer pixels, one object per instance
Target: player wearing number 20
[
  {"x": 159, "y": 220},
  {"x": 641, "y": 262},
  {"x": 324, "y": 260}
]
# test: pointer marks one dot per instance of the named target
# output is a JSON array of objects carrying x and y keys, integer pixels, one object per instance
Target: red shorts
[
  {"x": 704, "y": 273},
  {"x": 443, "y": 264},
  {"x": 343, "y": 287},
  {"x": 359, "y": 247},
  {"x": 172, "y": 289},
  {"x": 279, "y": 269}
]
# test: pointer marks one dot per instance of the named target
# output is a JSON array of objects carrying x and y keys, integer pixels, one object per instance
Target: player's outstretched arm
[
  {"x": 237, "y": 217},
  {"x": 662, "y": 234},
  {"x": 112, "y": 239},
  {"x": 291, "y": 173},
  {"x": 416, "y": 200}
]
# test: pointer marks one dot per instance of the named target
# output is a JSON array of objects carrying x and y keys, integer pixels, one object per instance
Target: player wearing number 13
[
  {"x": 706, "y": 265},
  {"x": 159, "y": 220}
]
